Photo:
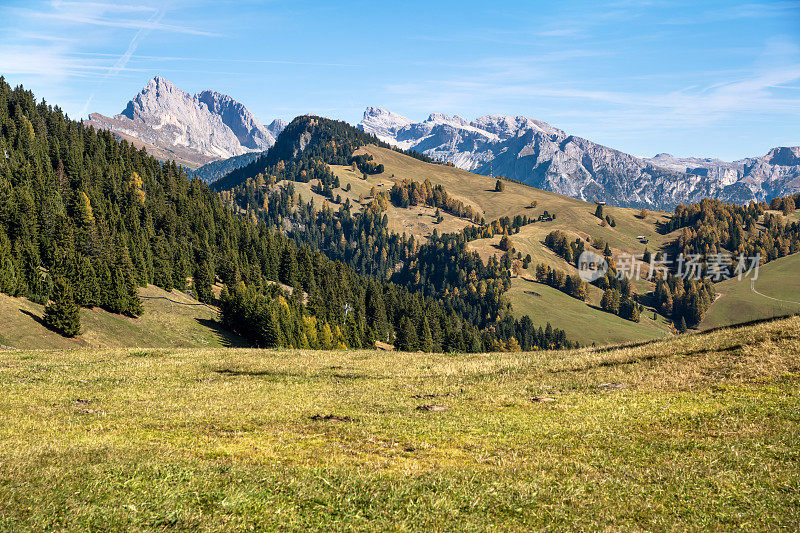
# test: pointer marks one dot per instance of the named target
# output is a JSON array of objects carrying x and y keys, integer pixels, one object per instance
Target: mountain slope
[
  {"x": 775, "y": 293},
  {"x": 312, "y": 139},
  {"x": 323, "y": 161},
  {"x": 196, "y": 129},
  {"x": 546, "y": 157},
  {"x": 91, "y": 228}
]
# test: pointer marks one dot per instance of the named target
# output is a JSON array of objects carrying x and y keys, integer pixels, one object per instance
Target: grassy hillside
[
  {"x": 573, "y": 215},
  {"x": 163, "y": 324},
  {"x": 776, "y": 292},
  {"x": 583, "y": 323},
  {"x": 698, "y": 432}
]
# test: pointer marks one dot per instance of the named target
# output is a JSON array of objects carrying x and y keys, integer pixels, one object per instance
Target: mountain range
[
  {"x": 538, "y": 154},
  {"x": 194, "y": 130},
  {"x": 213, "y": 128}
]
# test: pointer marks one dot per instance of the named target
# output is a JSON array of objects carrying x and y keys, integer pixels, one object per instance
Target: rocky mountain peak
[
  {"x": 383, "y": 123},
  {"x": 249, "y": 131},
  {"x": 207, "y": 126},
  {"x": 546, "y": 157},
  {"x": 784, "y": 156},
  {"x": 276, "y": 127}
]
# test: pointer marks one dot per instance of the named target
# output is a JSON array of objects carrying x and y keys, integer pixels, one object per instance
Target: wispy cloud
[
  {"x": 122, "y": 62},
  {"x": 45, "y": 43},
  {"x": 754, "y": 10},
  {"x": 108, "y": 15},
  {"x": 762, "y": 88},
  {"x": 231, "y": 60},
  {"x": 130, "y": 24}
]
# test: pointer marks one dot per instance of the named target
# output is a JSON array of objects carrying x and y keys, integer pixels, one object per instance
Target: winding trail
[
  {"x": 753, "y": 288},
  {"x": 171, "y": 301}
]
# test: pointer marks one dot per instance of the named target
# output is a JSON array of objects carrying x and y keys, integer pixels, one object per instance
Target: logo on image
[{"x": 592, "y": 266}]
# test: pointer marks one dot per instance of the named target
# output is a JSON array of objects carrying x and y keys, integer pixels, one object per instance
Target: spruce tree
[
  {"x": 202, "y": 283},
  {"x": 87, "y": 289},
  {"x": 325, "y": 337},
  {"x": 8, "y": 281},
  {"x": 62, "y": 314},
  {"x": 272, "y": 335},
  {"x": 425, "y": 336},
  {"x": 288, "y": 266},
  {"x": 376, "y": 311},
  {"x": 406, "y": 340},
  {"x": 505, "y": 243}
]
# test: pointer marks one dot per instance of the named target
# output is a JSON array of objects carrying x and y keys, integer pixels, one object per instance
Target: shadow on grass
[
  {"x": 276, "y": 374},
  {"x": 227, "y": 338},
  {"x": 39, "y": 320}
]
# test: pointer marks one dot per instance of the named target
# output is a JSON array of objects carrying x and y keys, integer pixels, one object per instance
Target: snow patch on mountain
[{"x": 533, "y": 151}]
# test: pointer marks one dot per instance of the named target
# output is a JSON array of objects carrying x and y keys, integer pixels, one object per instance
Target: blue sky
[{"x": 717, "y": 79}]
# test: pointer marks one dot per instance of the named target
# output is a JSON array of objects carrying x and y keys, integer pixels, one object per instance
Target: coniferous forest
[{"x": 87, "y": 219}]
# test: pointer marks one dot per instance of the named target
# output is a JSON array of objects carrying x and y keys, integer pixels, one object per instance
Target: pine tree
[
  {"x": 425, "y": 336},
  {"x": 629, "y": 309},
  {"x": 376, "y": 312},
  {"x": 694, "y": 310},
  {"x": 369, "y": 338},
  {"x": 62, "y": 313},
  {"x": 288, "y": 267},
  {"x": 272, "y": 335},
  {"x": 611, "y": 301},
  {"x": 87, "y": 289},
  {"x": 406, "y": 336},
  {"x": 568, "y": 255},
  {"x": 202, "y": 283},
  {"x": 505, "y": 243},
  {"x": 8, "y": 278}
]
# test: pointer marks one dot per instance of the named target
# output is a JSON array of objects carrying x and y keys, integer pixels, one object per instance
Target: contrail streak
[{"x": 120, "y": 63}]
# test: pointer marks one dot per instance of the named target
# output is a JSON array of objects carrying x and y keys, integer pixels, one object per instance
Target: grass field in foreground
[
  {"x": 737, "y": 303},
  {"x": 695, "y": 432}
]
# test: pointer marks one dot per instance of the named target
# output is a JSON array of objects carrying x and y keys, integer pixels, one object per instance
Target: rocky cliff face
[
  {"x": 755, "y": 178},
  {"x": 546, "y": 157},
  {"x": 195, "y": 129},
  {"x": 249, "y": 131}
]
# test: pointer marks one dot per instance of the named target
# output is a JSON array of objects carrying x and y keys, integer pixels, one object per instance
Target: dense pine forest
[{"x": 86, "y": 220}]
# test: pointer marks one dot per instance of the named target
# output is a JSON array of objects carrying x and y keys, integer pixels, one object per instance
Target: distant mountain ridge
[
  {"x": 546, "y": 157},
  {"x": 194, "y": 130}
]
